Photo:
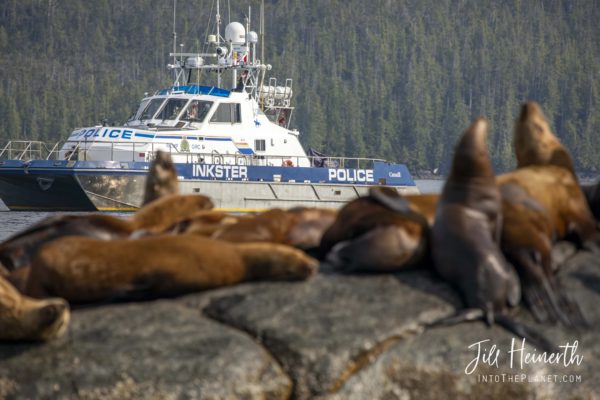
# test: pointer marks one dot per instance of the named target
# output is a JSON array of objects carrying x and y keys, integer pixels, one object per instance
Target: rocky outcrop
[{"x": 334, "y": 337}]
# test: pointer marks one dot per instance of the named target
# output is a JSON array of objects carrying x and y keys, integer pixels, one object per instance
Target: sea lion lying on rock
[
  {"x": 24, "y": 318},
  {"x": 204, "y": 223},
  {"x": 381, "y": 232},
  {"x": 300, "y": 227},
  {"x": 161, "y": 179},
  {"x": 85, "y": 270},
  {"x": 162, "y": 213},
  {"x": 465, "y": 238},
  {"x": 16, "y": 251}
]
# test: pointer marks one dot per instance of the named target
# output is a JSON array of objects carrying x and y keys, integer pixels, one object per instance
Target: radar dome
[
  {"x": 235, "y": 33},
  {"x": 252, "y": 37}
]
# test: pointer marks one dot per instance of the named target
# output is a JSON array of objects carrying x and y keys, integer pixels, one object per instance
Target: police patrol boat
[{"x": 234, "y": 145}]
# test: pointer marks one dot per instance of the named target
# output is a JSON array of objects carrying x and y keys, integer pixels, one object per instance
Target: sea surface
[{"x": 12, "y": 222}]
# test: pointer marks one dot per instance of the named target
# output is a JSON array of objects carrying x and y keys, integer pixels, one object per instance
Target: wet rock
[
  {"x": 434, "y": 364},
  {"x": 325, "y": 330},
  {"x": 332, "y": 337},
  {"x": 149, "y": 350}
]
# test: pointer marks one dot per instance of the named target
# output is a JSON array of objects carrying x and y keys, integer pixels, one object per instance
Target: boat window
[
  {"x": 260, "y": 145},
  {"x": 151, "y": 109},
  {"x": 196, "y": 111},
  {"x": 138, "y": 112},
  {"x": 227, "y": 112},
  {"x": 171, "y": 109}
]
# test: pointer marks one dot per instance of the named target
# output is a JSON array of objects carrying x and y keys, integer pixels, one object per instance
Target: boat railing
[
  {"x": 29, "y": 150},
  {"x": 145, "y": 151}
]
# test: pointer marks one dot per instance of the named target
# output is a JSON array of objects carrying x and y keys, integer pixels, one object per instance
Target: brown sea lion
[
  {"x": 269, "y": 226},
  {"x": 557, "y": 190},
  {"x": 527, "y": 239},
  {"x": 308, "y": 226},
  {"x": 16, "y": 252},
  {"x": 534, "y": 142},
  {"x": 300, "y": 227},
  {"x": 204, "y": 223},
  {"x": 465, "y": 238},
  {"x": 168, "y": 210},
  {"x": 381, "y": 232},
  {"x": 25, "y": 319},
  {"x": 161, "y": 179},
  {"x": 85, "y": 270}
]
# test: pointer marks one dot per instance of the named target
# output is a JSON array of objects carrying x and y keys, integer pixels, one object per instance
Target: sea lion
[
  {"x": 558, "y": 191},
  {"x": 24, "y": 318},
  {"x": 204, "y": 223},
  {"x": 308, "y": 226},
  {"x": 16, "y": 252},
  {"x": 83, "y": 270},
  {"x": 465, "y": 237},
  {"x": 534, "y": 142},
  {"x": 167, "y": 210},
  {"x": 381, "y": 232},
  {"x": 153, "y": 218},
  {"x": 161, "y": 179},
  {"x": 526, "y": 241},
  {"x": 300, "y": 227}
]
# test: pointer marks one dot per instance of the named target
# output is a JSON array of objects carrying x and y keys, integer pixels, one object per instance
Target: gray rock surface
[
  {"x": 334, "y": 337},
  {"x": 154, "y": 350}
]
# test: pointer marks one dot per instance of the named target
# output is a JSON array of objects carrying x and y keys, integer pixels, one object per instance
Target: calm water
[{"x": 12, "y": 222}]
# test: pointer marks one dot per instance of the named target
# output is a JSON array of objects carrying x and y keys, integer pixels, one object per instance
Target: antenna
[
  {"x": 218, "y": 42},
  {"x": 262, "y": 31},
  {"x": 174, "y": 38}
]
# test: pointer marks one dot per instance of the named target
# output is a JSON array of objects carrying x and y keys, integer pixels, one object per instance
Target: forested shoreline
[{"x": 388, "y": 79}]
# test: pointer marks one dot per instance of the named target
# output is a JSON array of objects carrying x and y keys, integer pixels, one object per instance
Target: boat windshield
[
  {"x": 196, "y": 111},
  {"x": 150, "y": 109},
  {"x": 171, "y": 109}
]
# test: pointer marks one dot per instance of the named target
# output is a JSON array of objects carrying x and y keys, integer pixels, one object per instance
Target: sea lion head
[
  {"x": 471, "y": 158},
  {"x": 162, "y": 178},
  {"x": 24, "y": 318},
  {"x": 534, "y": 141}
]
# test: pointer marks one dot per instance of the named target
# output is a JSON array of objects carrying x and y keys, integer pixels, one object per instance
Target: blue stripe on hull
[{"x": 380, "y": 173}]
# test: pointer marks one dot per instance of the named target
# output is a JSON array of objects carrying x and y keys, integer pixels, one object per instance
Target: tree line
[{"x": 388, "y": 79}]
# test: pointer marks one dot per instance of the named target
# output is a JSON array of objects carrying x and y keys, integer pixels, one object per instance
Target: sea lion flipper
[
  {"x": 525, "y": 332},
  {"x": 535, "y": 303},
  {"x": 395, "y": 202},
  {"x": 575, "y": 314}
]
